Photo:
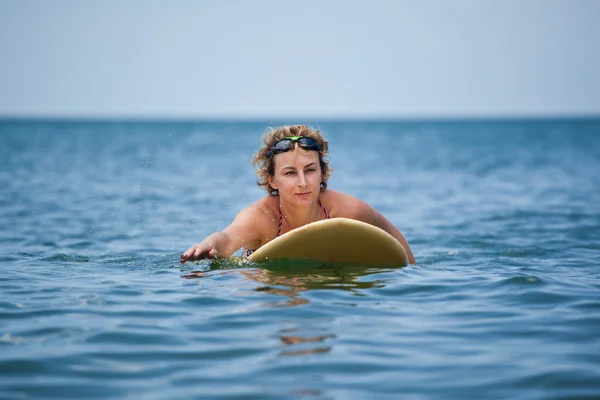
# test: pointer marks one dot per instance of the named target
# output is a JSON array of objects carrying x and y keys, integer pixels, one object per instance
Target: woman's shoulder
[
  {"x": 260, "y": 219},
  {"x": 341, "y": 204},
  {"x": 329, "y": 195},
  {"x": 266, "y": 207}
]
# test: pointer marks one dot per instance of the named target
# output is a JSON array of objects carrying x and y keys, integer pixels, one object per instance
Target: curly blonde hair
[{"x": 264, "y": 164}]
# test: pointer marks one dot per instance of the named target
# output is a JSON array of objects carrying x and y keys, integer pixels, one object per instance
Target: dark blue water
[{"x": 503, "y": 218}]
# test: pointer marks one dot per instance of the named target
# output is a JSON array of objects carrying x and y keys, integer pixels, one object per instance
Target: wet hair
[{"x": 264, "y": 164}]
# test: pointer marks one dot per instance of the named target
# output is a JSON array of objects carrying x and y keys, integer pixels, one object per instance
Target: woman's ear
[{"x": 272, "y": 182}]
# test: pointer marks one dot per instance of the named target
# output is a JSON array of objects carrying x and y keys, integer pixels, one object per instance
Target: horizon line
[{"x": 322, "y": 118}]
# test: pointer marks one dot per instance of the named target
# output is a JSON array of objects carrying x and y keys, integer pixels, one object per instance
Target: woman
[{"x": 291, "y": 167}]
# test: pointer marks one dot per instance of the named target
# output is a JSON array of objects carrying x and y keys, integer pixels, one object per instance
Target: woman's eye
[
  {"x": 310, "y": 170},
  {"x": 290, "y": 173}
]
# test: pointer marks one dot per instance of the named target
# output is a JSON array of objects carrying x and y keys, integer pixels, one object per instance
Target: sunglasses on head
[{"x": 286, "y": 144}]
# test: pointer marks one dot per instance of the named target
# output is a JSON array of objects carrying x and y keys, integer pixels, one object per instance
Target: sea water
[{"x": 503, "y": 218}]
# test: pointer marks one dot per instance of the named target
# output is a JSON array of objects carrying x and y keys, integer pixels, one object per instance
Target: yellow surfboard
[{"x": 336, "y": 240}]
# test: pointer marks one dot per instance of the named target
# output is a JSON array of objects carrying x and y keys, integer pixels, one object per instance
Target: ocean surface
[{"x": 503, "y": 218}]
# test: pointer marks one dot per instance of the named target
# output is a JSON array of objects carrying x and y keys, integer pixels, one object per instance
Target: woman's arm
[
  {"x": 248, "y": 227},
  {"x": 383, "y": 223}
]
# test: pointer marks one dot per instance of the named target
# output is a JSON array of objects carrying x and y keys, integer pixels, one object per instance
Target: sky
[{"x": 312, "y": 58}]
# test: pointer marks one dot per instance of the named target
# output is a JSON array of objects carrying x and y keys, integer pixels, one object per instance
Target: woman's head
[{"x": 274, "y": 143}]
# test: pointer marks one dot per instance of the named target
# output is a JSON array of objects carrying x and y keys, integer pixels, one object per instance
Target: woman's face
[{"x": 297, "y": 176}]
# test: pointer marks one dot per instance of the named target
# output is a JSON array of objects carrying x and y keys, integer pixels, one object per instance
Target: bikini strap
[
  {"x": 324, "y": 210},
  {"x": 280, "y": 223}
]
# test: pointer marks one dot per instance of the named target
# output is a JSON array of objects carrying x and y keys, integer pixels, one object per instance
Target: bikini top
[{"x": 246, "y": 252}]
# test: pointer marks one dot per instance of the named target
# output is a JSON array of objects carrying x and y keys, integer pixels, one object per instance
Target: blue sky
[{"x": 270, "y": 59}]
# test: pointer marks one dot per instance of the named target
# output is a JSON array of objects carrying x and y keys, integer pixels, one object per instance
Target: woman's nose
[{"x": 301, "y": 179}]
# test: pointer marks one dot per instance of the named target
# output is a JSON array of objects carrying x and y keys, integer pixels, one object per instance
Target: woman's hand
[
  {"x": 223, "y": 244},
  {"x": 198, "y": 252}
]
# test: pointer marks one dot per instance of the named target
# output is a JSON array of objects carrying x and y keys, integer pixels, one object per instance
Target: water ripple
[{"x": 503, "y": 217}]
